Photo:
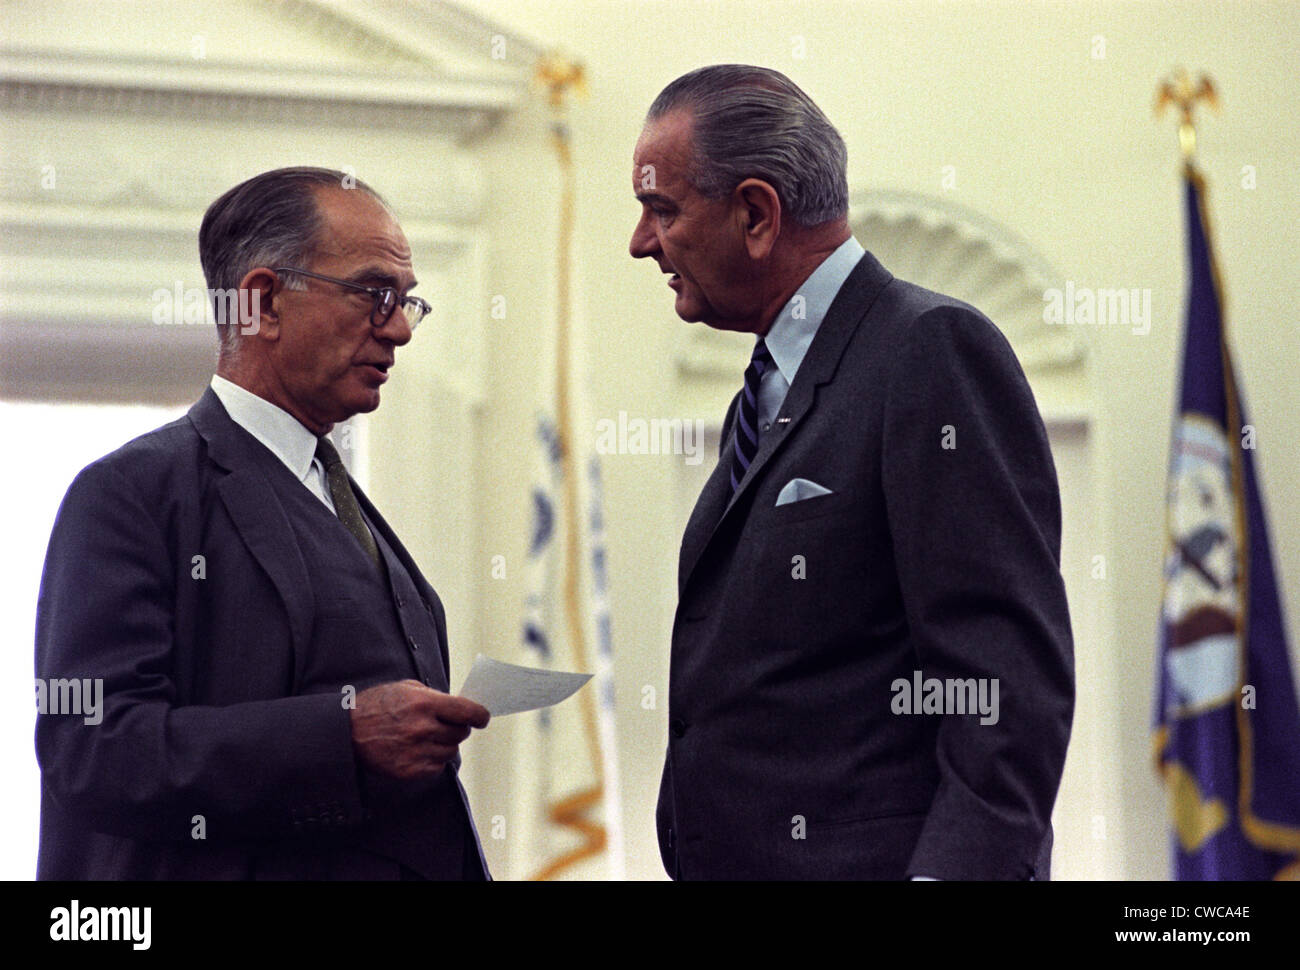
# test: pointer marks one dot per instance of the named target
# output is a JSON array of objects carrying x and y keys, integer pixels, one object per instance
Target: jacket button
[
  {"x": 414, "y": 646},
  {"x": 672, "y": 839},
  {"x": 678, "y": 727},
  {"x": 400, "y": 602}
]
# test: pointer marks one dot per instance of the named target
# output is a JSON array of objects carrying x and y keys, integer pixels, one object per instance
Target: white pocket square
[{"x": 798, "y": 489}]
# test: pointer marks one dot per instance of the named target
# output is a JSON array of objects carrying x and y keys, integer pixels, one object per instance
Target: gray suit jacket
[
  {"x": 937, "y": 552},
  {"x": 203, "y": 711}
]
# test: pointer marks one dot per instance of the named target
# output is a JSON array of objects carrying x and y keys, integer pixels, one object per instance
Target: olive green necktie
[{"x": 345, "y": 501}]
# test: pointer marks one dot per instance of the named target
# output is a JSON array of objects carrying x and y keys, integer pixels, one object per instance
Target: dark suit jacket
[
  {"x": 202, "y": 712},
  {"x": 785, "y": 757}
]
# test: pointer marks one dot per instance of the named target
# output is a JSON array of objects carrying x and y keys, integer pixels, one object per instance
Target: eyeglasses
[{"x": 385, "y": 297}]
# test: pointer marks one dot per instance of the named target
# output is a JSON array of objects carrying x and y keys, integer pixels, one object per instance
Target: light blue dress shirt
[{"x": 795, "y": 326}]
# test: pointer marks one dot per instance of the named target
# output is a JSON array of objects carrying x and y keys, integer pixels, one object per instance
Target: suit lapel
[
  {"x": 257, "y": 514},
  {"x": 850, "y": 306},
  {"x": 710, "y": 505}
]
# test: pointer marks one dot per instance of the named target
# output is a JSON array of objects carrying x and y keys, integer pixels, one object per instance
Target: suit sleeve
[
  {"x": 974, "y": 514},
  {"x": 148, "y": 767}
]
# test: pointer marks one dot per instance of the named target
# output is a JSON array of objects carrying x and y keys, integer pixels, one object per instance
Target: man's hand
[{"x": 409, "y": 731}]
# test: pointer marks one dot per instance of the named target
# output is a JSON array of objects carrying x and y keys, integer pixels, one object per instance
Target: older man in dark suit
[
  {"x": 273, "y": 664},
  {"x": 871, "y": 670}
]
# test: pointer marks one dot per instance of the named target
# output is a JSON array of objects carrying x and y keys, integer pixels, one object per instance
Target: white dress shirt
[{"x": 286, "y": 437}]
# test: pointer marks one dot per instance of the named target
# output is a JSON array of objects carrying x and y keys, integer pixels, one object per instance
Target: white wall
[{"x": 1045, "y": 138}]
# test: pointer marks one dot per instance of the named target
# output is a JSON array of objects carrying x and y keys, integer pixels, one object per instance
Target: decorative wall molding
[
  {"x": 958, "y": 252},
  {"x": 102, "y": 265},
  {"x": 183, "y": 88},
  {"x": 392, "y": 57},
  {"x": 118, "y": 137}
]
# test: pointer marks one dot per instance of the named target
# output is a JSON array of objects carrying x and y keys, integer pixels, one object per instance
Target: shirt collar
[
  {"x": 789, "y": 337},
  {"x": 273, "y": 426}
]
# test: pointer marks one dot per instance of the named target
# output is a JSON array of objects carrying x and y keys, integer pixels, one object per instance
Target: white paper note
[{"x": 508, "y": 689}]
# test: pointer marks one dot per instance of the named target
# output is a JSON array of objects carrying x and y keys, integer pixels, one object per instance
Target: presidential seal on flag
[{"x": 1202, "y": 603}]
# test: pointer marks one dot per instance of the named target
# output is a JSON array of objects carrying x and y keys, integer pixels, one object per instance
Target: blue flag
[{"x": 1227, "y": 738}]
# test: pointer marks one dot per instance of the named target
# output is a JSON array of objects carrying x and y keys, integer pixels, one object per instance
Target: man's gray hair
[
  {"x": 752, "y": 122},
  {"x": 270, "y": 220}
]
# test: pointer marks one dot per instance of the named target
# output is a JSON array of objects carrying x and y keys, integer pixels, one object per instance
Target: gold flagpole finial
[
  {"x": 1179, "y": 89},
  {"x": 560, "y": 74}
]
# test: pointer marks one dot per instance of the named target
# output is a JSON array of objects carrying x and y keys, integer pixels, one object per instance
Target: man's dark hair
[
  {"x": 752, "y": 122},
  {"x": 270, "y": 220}
]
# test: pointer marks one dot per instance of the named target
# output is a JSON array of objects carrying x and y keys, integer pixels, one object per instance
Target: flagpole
[
  {"x": 561, "y": 76},
  {"x": 1189, "y": 811},
  {"x": 1221, "y": 831},
  {"x": 1179, "y": 91}
]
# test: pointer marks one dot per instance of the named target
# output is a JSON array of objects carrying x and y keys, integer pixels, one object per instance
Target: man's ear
[
  {"x": 760, "y": 209},
  {"x": 257, "y": 313}
]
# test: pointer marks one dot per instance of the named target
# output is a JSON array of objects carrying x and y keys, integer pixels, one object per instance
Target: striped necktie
[
  {"x": 747, "y": 414},
  {"x": 345, "y": 500}
]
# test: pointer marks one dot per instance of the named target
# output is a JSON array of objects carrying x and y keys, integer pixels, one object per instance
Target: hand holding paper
[{"x": 508, "y": 689}]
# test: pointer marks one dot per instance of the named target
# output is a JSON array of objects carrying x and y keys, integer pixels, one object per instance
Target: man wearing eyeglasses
[{"x": 273, "y": 665}]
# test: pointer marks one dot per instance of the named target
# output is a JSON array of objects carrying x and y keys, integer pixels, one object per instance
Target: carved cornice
[
  {"x": 176, "y": 87},
  {"x": 407, "y": 64},
  {"x": 115, "y": 143}
]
